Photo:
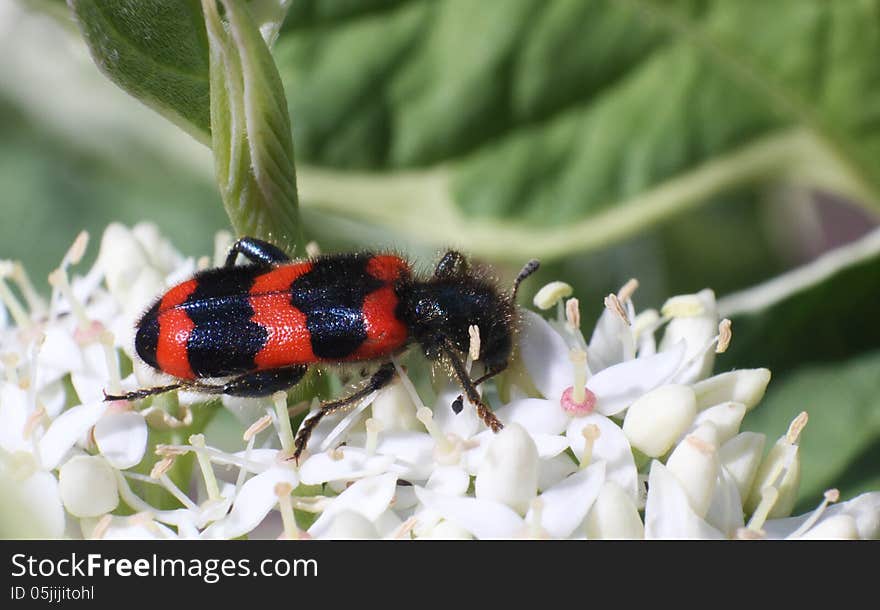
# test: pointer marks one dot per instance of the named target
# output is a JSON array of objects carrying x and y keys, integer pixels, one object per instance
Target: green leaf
[
  {"x": 156, "y": 51},
  {"x": 251, "y": 138},
  {"x": 825, "y": 311},
  {"x": 843, "y": 403},
  {"x": 521, "y": 128}
]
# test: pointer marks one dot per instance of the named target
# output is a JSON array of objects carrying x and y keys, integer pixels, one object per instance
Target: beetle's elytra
[{"x": 264, "y": 323}]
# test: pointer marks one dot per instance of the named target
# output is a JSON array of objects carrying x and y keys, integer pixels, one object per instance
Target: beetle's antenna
[{"x": 528, "y": 269}]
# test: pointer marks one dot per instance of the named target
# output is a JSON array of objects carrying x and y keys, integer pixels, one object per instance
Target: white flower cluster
[{"x": 632, "y": 437}]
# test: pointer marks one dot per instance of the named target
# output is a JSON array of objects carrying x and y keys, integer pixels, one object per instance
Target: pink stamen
[{"x": 584, "y": 407}]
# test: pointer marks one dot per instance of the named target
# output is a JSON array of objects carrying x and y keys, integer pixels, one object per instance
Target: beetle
[{"x": 264, "y": 323}]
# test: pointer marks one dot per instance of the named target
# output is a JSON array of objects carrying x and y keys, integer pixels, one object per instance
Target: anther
[
  {"x": 573, "y": 314},
  {"x": 725, "y": 334},
  {"x": 591, "y": 434},
  {"x": 285, "y": 432},
  {"x": 474, "y": 348},
  {"x": 551, "y": 294},
  {"x": 627, "y": 290},
  {"x": 613, "y": 304}
]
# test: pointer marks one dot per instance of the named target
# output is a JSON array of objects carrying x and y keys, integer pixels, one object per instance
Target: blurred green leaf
[
  {"x": 520, "y": 128},
  {"x": 157, "y": 51},
  {"x": 843, "y": 402},
  {"x": 251, "y": 139},
  {"x": 822, "y": 312}
]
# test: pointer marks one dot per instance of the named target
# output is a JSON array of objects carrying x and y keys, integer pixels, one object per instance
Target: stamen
[
  {"x": 20, "y": 276},
  {"x": 578, "y": 360},
  {"x": 170, "y": 450},
  {"x": 102, "y": 526},
  {"x": 627, "y": 290},
  {"x": 551, "y": 294},
  {"x": 112, "y": 359},
  {"x": 198, "y": 440},
  {"x": 830, "y": 496},
  {"x": 257, "y": 427},
  {"x": 161, "y": 467},
  {"x": 725, "y": 334},
  {"x": 15, "y": 308},
  {"x": 408, "y": 384},
  {"x": 285, "y": 506},
  {"x": 591, "y": 433},
  {"x": 573, "y": 314},
  {"x": 404, "y": 529},
  {"x": 313, "y": 250},
  {"x": 77, "y": 249},
  {"x": 175, "y": 491},
  {"x": 242, "y": 472},
  {"x": 769, "y": 495},
  {"x": 58, "y": 279},
  {"x": 744, "y": 533},
  {"x": 374, "y": 427},
  {"x": 797, "y": 425},
  {"x": 535, "y": 529},
  {"x": 474, "y": 348},
  {"x": 285, "y": 432},
  {"x": 613, "y": 304}
]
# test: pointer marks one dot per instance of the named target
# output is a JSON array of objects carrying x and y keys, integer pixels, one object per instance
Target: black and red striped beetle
[{"x": 264, "y": 323}]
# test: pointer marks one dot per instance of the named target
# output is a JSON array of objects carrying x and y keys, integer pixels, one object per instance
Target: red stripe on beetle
[
  {"x": 288, "y": 340},
  {"x": 280, "y": 278},
  {"x": 387, "y": 267},
  {"x": 385, "y": 332},
  {"x": 175, "y": 327}
]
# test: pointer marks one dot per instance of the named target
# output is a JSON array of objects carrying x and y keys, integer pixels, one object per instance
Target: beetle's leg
[
  {"x": 257, "y": 251},
  {"x": 379, "y": 380},
  {"x": 138, "y": 394},
  {"x": 259, "y": 383},
  {"x": 453, "y": 264},
  {"x": 528, "y": 269},
  {"x": 485, "y": 377},
  {"x": 264, "y": 383},
  {"x": 470, "y": 390}
]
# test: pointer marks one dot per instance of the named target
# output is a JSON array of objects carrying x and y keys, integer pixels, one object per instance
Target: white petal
[
  {"x": 614, "y": 515},
  {"x": 509, "y": 471},
  {"x": 545, "y": 355},
  {"x": 88, "y": 486},
  {"x": 696, "y": 331},
  {"x": 14, "y": 412},
  {"x": 551, "y": 471},
  {"x": 369, "y": 497},
  {"x": 412, "y": 451},
  {"x": 122, "y": 438},
  {"x": 449, "y": 480},
  {"x": 725, "y": 511},
  {"x": 612, "y": 447},
  {"x": 864, "y": 509},
  {"x": 744, "y": 385},
  {"x": 726, "y": 417},
  {"x": 618, "y": 386},
  {"x": 483, "y": 518},
  {"x": 395, "y": 409},
  {"x": 66, "y": 430},
  {"x": 463, "y": 424},
  {"x": 549, "y": 445},
  {"x": 355, "y": 464},
  {"x": 610, "y": 342},
  {"x": 567, "y": 503},
  {"x": 253, "y": 502},
  {"x": 349, "y": 525},
  {"x": 668, "y": 513},
  {"x": 447, "y": 530},
  {"x": 741, "y": 457},
  {"x": 536, "y": 415},
  {"x": 656, "y": 420},
  {"x": 695, "y": 463},
  {"x": 128, "y": 528},
  {"x": 34, "y": 505}
]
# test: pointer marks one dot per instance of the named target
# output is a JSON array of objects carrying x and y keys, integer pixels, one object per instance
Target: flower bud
[
  {"x": 726, "y": 418},
  {"x": 88, "y": 486},
  {"x": 657, "y": 419},
  {"x": 745, "y": 385},
  {"x": 694, "y": 462},
  {"x": 614, "y": 515},
  {"x": 509, "y": 470},
  {"x": 741, "y": 456},
  {"x": 447, "y": 530},
  {"x": 395, "y": 410},
  {"x": 694, "y": 320}
]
